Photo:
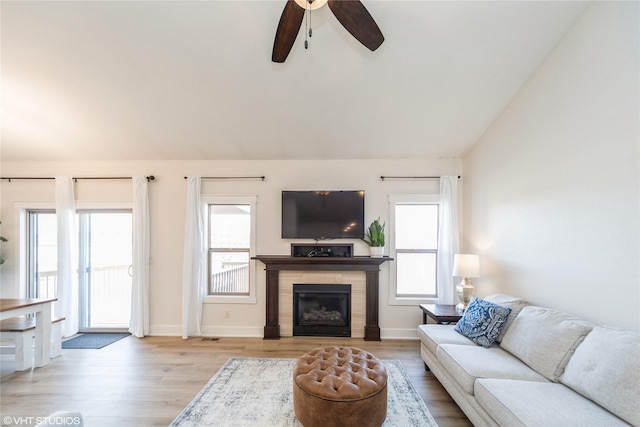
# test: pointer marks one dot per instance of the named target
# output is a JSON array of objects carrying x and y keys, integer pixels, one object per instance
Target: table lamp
[{"x": 465, "y": 266}]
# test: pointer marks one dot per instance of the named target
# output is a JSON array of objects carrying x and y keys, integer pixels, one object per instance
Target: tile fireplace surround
[
  {"x": 358, "y": 296},
  {"x": 360, "y": 272}
]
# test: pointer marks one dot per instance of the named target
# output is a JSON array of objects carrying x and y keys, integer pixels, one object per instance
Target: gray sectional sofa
[{"x": 546, "y": 368}]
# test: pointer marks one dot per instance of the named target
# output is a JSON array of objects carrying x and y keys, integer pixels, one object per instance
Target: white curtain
[
  {"x": 67, "y": 279},
  {"x": 448, "y": 238},
  {"x": 193, "y": 274},
  {"x": 139, "y": 321}
]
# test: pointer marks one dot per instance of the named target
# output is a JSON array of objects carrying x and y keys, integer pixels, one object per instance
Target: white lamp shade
[{"x": 466, "y": 265}]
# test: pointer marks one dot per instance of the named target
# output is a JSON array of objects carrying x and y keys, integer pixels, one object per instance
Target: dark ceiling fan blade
[
  {"x": 356, "y": 19},
  {"x": 287, "y": 31}
]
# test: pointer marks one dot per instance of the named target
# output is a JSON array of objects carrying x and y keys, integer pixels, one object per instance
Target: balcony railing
[
  {"x": 47, "y": 281},
  {"x": 108, "y": 295},
  {"x": 232, "y": 280}
]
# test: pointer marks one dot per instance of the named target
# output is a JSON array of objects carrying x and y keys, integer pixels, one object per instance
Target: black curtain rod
[
  {"x": 10, "y": 178},
  {"x": 261, "y": 178},
  {"x": 382, "y": 178}
]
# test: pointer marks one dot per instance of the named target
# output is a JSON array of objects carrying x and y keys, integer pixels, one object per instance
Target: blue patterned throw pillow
[{"x": 482, "y": 321}]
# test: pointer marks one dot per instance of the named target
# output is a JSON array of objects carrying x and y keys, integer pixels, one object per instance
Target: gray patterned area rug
[{"x": 248, "y": 392}]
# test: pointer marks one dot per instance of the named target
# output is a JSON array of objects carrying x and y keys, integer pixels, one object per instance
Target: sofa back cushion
[
  {"x": 545, "y": 339},
  {"x": 606, "y": 369},
  {"x": 515, "y": 304}
]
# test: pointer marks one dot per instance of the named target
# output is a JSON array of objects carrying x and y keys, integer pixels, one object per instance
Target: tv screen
[{"x": 322, "y": 214}]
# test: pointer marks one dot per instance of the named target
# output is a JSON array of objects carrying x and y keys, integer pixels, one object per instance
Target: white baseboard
[
  {"x": 398, "y": 334},
  {"x": 165, "y": 331},
  {"x": 233, "y": 332},
  {"x": 210, "y": 331},
  {"x": 258, "y": 332}
]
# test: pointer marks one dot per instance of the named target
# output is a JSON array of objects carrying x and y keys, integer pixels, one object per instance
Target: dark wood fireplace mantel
[{"x": 275, "y": 263}]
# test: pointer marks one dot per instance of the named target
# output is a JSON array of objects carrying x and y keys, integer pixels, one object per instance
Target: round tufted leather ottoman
[{"x": 335, "y": 386}]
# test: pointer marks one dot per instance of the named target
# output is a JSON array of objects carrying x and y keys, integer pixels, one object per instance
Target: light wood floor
[{"x": 147, "y": 382}]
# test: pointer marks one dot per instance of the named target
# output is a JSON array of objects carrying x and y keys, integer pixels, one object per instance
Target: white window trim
[
  {"x": 396, "y": 199},
  {"x": 251, "y": 200}
]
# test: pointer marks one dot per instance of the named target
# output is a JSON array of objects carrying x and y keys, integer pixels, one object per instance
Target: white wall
[
  {"x": 167, "y": 211},
  {"x": 552, "y": 188}
]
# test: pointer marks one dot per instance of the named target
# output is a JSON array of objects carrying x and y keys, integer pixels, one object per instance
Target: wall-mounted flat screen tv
[{"x": 322, "y": 214}]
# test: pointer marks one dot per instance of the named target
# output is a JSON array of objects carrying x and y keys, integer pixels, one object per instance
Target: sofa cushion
[
  {"x": 482, "y": 321},
  {"x": 525, "y": 403},
  {"x": 467, "y": 363},
  {"x": 433, "y": 335},
  {"x": 606, "y": 369},
  {"x": 545, "y": 339},
  {"x": 515, "y": 304}
]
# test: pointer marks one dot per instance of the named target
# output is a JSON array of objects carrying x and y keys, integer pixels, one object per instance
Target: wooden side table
[{"x": 441, "y": 313}]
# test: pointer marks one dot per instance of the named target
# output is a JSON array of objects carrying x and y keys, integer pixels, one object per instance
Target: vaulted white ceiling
[{"x": 194, "y": 79}]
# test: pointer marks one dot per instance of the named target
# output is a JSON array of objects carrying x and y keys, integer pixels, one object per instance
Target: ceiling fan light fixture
[{"x": 311, "y": 4}]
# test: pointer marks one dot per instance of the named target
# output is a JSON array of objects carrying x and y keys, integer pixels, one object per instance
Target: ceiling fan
[{"x": 352, "y": 14}]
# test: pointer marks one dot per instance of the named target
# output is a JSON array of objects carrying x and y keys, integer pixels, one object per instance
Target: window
[
  {"x": 414, "y": 244},
  {"x": 230, "y": 246}
]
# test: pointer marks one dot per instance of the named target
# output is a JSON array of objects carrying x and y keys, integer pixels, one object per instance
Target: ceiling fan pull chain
[
  {"x": 310, "y": 31},
  {"x": 307, "y": 15}
]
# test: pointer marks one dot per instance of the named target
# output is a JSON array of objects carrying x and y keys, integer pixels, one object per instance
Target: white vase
[{"x": 376, "y": 251}]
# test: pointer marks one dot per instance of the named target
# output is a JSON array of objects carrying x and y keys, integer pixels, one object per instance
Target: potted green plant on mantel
[{"x": 374, "y": 237}]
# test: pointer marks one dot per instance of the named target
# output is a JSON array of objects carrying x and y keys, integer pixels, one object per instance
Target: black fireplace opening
[{"x": 321, "y": 310}]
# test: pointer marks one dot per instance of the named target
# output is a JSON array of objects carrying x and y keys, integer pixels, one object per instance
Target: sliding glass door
[
  {"x": 104, "y": 265},
  {"x": 105, "y": 270}
]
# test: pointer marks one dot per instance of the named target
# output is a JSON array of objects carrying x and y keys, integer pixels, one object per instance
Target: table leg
[{"x": 43, "y": 336}]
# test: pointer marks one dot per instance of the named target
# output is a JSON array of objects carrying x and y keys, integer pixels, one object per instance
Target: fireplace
[
  {"x": 363, "y": 322},
  {"x": 321, "y": 310}
]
